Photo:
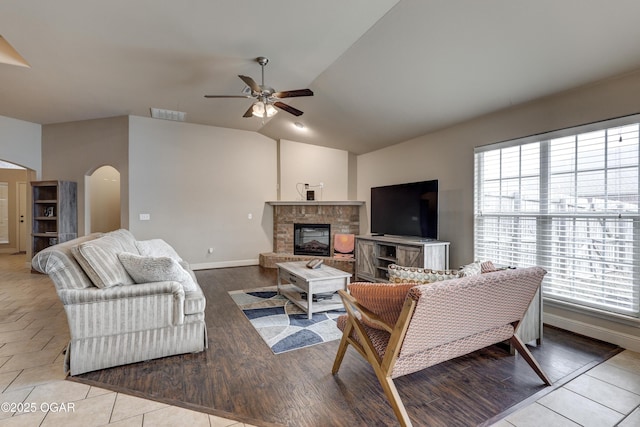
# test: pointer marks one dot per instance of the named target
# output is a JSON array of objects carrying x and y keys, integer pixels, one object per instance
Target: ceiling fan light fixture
[{"x": 259, "y": 109}]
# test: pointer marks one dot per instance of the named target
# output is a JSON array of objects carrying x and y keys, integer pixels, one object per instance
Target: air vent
[{"x": 176, "y": 116}]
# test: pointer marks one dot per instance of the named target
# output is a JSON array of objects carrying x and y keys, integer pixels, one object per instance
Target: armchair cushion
[
  {"x": 399, "y": 274},
  {"x": 156, "y": 269},
  {"x": 99, "y": 259},
  {"x": 383, "y": 299}
]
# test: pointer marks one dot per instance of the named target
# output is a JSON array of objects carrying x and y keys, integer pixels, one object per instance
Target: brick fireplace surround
[{"x": 344, "y": 218}]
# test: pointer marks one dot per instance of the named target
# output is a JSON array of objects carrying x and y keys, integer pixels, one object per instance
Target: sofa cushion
[
  {"x": 59, "y": 263},
  {"x": 156, "y": 269},
  {"x": 126, "y": 238},
  {"x": 399, "y": 274},
  {"x": 99, "y": 259},
  {"x": 157, "y": 248},
  {"x": 383, "y": 299}
]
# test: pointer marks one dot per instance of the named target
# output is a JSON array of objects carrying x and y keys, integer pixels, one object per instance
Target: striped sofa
[{"x": 121, "y": 321}]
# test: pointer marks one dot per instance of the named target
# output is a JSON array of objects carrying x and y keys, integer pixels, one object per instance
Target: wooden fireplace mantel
[{"x": 316, "y": 203}]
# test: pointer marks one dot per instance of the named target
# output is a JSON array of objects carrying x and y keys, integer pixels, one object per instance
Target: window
[{"x": 568, "y": 202}]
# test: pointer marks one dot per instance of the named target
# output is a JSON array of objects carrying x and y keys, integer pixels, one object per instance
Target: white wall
[
  {"x": 199, "y": 184},
  {"x": 311, "y": 164},
  {"x": 447, "y": 155},
  {"x": 20, "y": 143}
]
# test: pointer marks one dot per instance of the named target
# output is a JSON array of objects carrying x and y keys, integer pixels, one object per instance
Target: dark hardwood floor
[{"x": 239, "y": 377}]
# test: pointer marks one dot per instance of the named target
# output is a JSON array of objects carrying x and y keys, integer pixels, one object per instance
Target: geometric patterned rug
[{"x": 282, "y": 324}]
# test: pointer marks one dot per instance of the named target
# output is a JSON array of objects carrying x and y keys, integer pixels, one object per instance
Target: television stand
[{"x": 374, "y": 254}]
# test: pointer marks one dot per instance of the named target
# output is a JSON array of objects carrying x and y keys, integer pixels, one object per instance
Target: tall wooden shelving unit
[{"x": 55, "y": 213}]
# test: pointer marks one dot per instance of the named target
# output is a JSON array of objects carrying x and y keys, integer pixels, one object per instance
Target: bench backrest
[{"x": 459, "y": 308}]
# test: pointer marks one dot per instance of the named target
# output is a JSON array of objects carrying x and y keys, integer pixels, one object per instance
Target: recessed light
[{"x": 299, "y": 125}]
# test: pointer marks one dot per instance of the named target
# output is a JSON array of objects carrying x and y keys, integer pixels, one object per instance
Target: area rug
[{"x": 282, "y": 324}]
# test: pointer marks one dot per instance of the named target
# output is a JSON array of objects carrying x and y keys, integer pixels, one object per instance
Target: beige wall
[
  {"x": 447, "y": 155},
  {"x": 311, "y": 164},
  {"x": 73, "y": 151},
  {"x": 199, "y": 184}
]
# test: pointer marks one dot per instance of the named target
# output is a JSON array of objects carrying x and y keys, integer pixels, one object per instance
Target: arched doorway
[{"x": 104, "y": 200}]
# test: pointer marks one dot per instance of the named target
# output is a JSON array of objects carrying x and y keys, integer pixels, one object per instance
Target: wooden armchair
[{"x": 438, "y": 322}]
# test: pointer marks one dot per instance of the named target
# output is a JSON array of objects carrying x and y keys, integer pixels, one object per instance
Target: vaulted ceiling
[{"x": 383, "y": 71}]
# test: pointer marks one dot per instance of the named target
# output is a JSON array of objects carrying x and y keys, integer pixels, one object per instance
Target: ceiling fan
[{"x": 266, "y": 97}]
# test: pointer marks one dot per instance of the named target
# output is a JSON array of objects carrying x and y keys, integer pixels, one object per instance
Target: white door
[{"x": 22, "y": 216}]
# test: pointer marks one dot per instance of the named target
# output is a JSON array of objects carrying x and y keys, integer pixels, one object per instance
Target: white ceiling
[{"x": 383, "y": 71}]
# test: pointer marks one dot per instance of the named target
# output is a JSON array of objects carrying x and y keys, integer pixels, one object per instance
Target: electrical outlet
[{"x": 145, "y": 217}]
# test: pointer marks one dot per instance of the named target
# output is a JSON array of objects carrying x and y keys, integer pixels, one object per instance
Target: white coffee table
[{"x": 295, "y": 277}]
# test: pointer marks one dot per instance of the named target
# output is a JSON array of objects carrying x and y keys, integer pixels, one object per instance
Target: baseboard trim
[
  {"x": 630, "y": 342},
  {"x": 224, "y": 264}
]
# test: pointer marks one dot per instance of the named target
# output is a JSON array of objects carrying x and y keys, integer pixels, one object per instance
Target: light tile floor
[
  {"x": 33, "y": 390},
  {"x": 607, "y": 395}
]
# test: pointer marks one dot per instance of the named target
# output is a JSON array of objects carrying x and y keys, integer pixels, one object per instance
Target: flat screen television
[{"x": 409, "y": 209}]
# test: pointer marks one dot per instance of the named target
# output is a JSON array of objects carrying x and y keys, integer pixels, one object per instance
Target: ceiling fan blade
[
  {"x": 228, "y": 96},
  {"x": 251, "y": 83},
  {"x": 288, "y": 108},
  {"x": 249, "y": 112},
  {"x": 293, "y": 93}
]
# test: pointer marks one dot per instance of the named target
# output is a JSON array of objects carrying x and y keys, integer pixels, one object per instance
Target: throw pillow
[
  {"x": 383, "y": 299},
  {"x": 399, "y": 274},
  {"x": 487, "y": 267},
  {"x": 472, "y": 269},
  {"x": 157, "y": 248},
  {"x": 99, "y": 259},
  {"x": 156, "y": 269}
]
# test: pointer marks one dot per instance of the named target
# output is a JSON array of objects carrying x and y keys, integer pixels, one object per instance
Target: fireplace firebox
[{"x": 312, "y": 239}]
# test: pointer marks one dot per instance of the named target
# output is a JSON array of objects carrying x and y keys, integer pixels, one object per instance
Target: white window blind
[{"x": 568, "y": 202}]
